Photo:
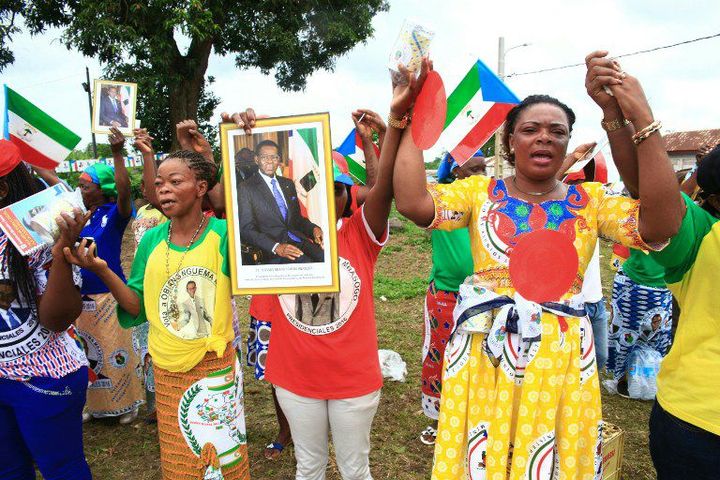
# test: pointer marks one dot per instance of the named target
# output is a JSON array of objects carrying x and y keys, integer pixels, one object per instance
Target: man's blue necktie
[
  {"x": 281, "y": 205},
  {"x": 14, "y": 321}
]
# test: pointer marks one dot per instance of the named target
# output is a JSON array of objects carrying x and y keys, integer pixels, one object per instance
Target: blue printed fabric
[
  {"x": 258, "y": 343},
  {"x": 641, "y": 315}
]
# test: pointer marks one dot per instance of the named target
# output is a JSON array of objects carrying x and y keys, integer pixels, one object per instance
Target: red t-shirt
[
  {"x": 261, "y": 306},
  {"x": 353, "y": 198},
  {"x": 325, "y": 346}
]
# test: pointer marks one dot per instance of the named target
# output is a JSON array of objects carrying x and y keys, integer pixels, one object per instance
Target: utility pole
[
  {"x": 86, "y": 87},
  {"x": 498, "y": 140},
  {"x": 501, "y": 73}
]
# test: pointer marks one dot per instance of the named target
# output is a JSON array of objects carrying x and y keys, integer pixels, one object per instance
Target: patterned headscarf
[{"x": 102, "y": 175}]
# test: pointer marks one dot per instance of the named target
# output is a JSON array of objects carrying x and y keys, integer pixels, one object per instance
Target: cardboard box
[{"x": 613, "y": 443}]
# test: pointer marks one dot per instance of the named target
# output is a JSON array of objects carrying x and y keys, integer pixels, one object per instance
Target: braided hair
[
  {"x": 529, "y": 101},
  {"x": 20, "y": 185},
  {"x": 204, "y": 170}
]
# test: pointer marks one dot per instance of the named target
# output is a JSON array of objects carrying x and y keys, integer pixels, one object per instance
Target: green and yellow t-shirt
[
  {"x": 188, "y": 309},
  {"x": 689, "y": 375},
  {"x": 643, "y": 269},
  {"x": 452, "y": 259}
]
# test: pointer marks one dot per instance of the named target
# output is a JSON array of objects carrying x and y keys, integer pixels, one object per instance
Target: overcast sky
[{"x": 682, "y": 83}]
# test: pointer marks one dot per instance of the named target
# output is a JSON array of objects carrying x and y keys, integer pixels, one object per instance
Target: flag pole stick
[{"x": 86, "y": 87}]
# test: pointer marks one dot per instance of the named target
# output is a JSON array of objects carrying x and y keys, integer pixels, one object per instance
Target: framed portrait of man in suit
[
  {"x": 114, "y": 105},
  {"x": 279, "y": 192}
]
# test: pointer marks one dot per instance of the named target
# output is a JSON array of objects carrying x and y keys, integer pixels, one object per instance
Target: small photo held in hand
[
  {"x": 279, "y": 193},
  {"x": 114, "y": 105}
]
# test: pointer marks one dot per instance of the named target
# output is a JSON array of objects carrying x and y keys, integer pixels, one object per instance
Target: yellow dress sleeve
[
  {"x": 454, "y": 202},
  {"x": 618, "y": 219}
]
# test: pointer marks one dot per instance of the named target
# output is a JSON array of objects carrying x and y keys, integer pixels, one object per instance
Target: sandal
[
  {"x": 428, "y": 436},
  {"x": 273, "y": 447}
]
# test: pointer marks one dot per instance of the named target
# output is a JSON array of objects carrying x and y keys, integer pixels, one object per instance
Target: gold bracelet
[
  {"x": 643, "y": 134},
  {"x": 400, "y": 123},
  {"x": 615, "y": 124}
]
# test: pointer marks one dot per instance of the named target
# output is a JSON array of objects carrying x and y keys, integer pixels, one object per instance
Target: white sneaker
[
  {"x": 129, "y": 417},
  {"x": 86, "y": 417}
]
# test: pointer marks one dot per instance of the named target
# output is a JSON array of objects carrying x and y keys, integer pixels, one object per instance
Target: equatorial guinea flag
[
  {"x": 305, "y": 172},
  {"x": 353, "y": 152},
  {"x": 475, "y": 110},
  {"x": 42, "y": 140}
]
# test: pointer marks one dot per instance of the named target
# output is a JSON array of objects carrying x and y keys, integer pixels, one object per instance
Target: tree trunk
[
  {"x": 185, "y": 94},
  {"x": 183, "y": 100}
]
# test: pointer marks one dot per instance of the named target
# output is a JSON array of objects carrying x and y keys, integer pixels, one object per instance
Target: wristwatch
[{"x": 613, "y": 125}]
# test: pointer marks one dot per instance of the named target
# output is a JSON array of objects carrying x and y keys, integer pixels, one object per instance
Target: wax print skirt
[
  {"x": 115, "y": 369},
  {"x": 439, "y": 323},
  {"x": 201, "y": 420},
  {"x": 641, "y": 315},
  {"x": 520, "y": 406}
]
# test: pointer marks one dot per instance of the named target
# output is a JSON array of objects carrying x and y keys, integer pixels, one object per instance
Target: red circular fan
[
  {"x": 543, "y": 265},
  {"x": 430, "y": 110}
]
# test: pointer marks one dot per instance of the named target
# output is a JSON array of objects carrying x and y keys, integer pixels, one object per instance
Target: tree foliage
[
  {"x": 153, "y": 103},
  {"x": 145, "y": 40}
]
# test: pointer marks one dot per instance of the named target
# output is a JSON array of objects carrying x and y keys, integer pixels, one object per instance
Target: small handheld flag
[
  {"x": 352, "y": 150},
  {"x": 474, "y": 111},
  {"x": 42, "y": 140}
]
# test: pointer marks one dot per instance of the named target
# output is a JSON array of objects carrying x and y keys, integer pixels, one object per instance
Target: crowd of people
[{"x": 516, "y": 328}]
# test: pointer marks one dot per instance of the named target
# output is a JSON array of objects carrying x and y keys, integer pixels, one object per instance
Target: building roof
[{"x": 690, "y": 141}]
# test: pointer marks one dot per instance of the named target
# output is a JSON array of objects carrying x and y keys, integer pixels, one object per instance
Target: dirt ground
[{"x": 131, "y": 452}]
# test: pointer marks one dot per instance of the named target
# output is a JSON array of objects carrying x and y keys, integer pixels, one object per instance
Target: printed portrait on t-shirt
[
  {"x": 317, "y": 308},
  {"x": 187, "y": 303},
  {"x": 12, "y": 315},
  {"x": 323, "y": 313}
]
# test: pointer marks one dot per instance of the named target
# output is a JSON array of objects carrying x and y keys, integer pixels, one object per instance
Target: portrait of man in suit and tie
[
  {"x": 10, "y": 318},
  {"x": 114, "y": 106},
  {"x": 270, "y": 217}
]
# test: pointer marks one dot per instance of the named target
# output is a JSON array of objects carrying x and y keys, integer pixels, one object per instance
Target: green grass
[
  {"x": 397, "y": 289},
  {"x": 131, "y": 452}
]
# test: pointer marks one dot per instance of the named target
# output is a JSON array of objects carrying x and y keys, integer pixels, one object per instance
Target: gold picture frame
[
  {"x": 299, "y": 148},
  {"x": 117, "y": 110}
]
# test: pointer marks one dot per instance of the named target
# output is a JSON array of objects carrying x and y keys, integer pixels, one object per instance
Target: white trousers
[{"x": 348, "y": 419}]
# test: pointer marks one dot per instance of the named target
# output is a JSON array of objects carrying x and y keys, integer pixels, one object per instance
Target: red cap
[{"x": 9, "y": 157}]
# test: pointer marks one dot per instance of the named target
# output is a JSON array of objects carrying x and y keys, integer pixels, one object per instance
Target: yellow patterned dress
[{"x": 535, "y": 416}]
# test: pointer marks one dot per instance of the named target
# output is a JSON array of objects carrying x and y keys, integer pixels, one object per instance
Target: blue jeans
[
  {"x": 598, "y": 314},
  {"x": 41, "y": 422},
  {"x": 681, "y": 450}
]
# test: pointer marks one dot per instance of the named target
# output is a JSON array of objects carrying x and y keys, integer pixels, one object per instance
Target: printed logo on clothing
[
  {"x": 324, "y": 313},
  {"x": 20, "y": 334},
  {"x": 187, "y": 302},
  {"x": 96, "y": 361},
  {"x": 212, "y": 410},
  {"x": 588, "y": 363},
  {"x": 20, "y": 330},
  {"x": 488, "y": 229},
  {"x": 541, "y": 463},
  {"x": 477, "y": 451},
  {"x": 119, "y": 358},
  {"x": 457, "y": 353}
]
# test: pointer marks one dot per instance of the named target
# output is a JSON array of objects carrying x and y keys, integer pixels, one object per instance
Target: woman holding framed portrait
[{"x": 323, "y": 357}]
